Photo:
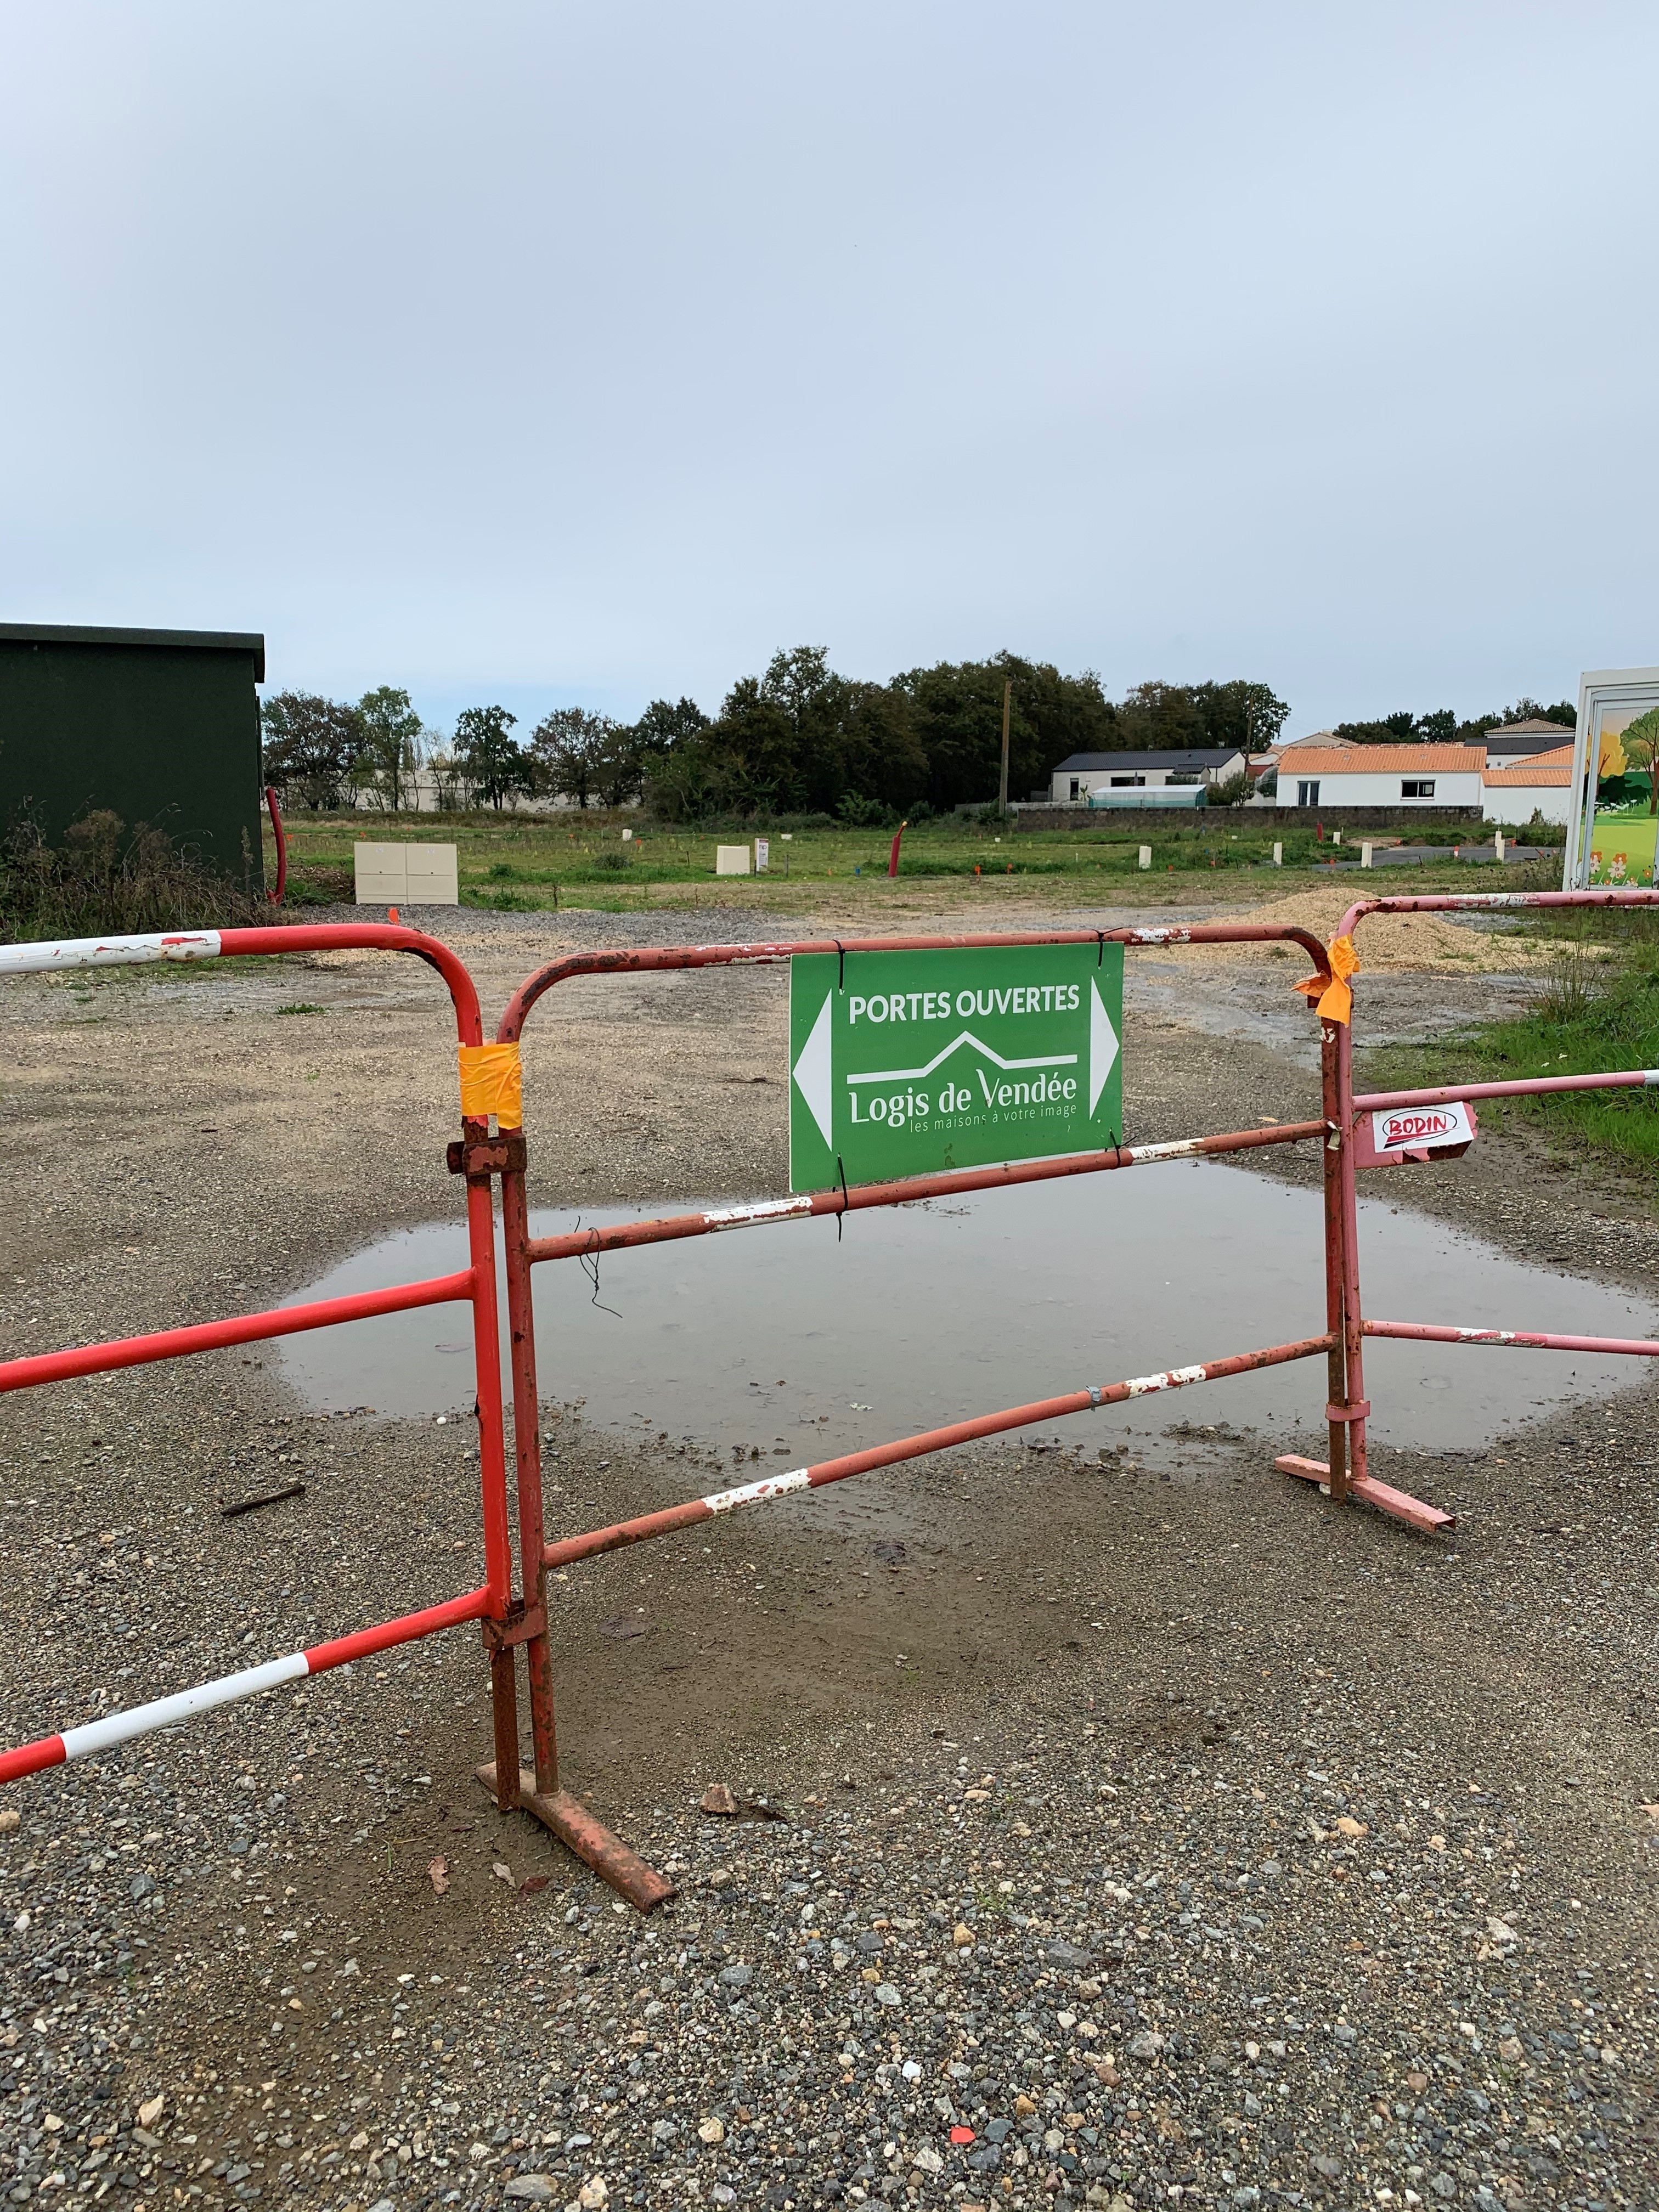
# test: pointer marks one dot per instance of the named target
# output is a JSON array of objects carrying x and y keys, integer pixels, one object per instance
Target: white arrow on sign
[
  {"x": 1103, "y": 1045},
  {"x": 811, "y": 1071}
]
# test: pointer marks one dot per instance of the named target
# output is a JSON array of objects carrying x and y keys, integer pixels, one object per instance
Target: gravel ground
[{"x": 1119, "y": 1824}]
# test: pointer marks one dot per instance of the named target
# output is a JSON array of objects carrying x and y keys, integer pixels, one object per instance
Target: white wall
[
  {"x": 1100, "y": 778},
  {"x": 1514, "y": 803},
  {"x": 1461, "y": 787}
]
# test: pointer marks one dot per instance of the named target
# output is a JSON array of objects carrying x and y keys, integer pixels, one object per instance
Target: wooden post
[{"x": 1002, "y": 787}]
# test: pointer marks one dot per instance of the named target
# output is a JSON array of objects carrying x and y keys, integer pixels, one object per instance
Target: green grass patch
[
  {"x": 531, "y": 863},
  {"x": 1594, "y": 1014}
]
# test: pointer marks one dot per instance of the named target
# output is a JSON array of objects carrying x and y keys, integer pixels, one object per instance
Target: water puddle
[{"x": 786, "y": 1341}]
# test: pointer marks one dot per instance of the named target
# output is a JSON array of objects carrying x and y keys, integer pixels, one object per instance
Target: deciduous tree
[
  {"x": 394, "y": 743},
  {"x": 311, "y": 746},
  {"x": 495, "y": 764}
]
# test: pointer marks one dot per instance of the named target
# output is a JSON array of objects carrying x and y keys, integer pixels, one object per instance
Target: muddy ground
[{"x": 244, "y": 1911}]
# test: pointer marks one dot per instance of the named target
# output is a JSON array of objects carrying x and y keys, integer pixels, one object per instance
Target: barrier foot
[
  {"x": 1397, "y": 1503},
  {"x": 575, "y": 1827}
]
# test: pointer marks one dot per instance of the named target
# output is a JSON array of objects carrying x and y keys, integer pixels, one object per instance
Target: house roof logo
[{"x": 814, "y": 1071}]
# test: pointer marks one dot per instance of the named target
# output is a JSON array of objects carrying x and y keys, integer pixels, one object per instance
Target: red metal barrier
[
  {"x": 475, "y": 1286},
  {"x": 538, "y": 1789},
  {"x": 509, "y": 1621}
]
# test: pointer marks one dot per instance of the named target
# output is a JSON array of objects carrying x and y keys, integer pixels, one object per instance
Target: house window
[
  {"x": 1307, "y": 795},
  {"x": 1420, "y": 786},
  {"x": 1181, "y": 776},
  {"x": 1124, "y": 782}
]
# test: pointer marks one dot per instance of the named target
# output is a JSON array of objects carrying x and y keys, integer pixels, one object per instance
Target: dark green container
[{"x": 159, "y": 725}]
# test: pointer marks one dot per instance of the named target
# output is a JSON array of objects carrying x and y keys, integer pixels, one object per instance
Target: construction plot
[{"x": 962, "y": 1723}]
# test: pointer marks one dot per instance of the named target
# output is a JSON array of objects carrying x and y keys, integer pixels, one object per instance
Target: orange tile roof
[
  {"x": 1557, "y": 756},
  {"x": 1383, "y": 760},
  {"x": 1544, "y": 776}
]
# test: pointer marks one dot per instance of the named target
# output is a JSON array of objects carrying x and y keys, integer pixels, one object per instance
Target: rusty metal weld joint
[
  {"x": 1359, "y": 1411},
  {"x": 520, "y": 1623},
  {"x": 480, "y": 1157}
]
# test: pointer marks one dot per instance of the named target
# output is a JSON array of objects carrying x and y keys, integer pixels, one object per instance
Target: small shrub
[
  {"x": 1570, "y": 988},
  {"x": 106, "y": 880}
]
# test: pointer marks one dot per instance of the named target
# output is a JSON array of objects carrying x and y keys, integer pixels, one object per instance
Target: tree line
[
  {"x": 1442, "y": 726},
  {"x": 799, "y": 738}
]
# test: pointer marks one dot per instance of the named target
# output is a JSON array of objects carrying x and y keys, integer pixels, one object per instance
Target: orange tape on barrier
[
  {"x": 1335, "y": 998},
  {"x": 492, "y": 1082}
]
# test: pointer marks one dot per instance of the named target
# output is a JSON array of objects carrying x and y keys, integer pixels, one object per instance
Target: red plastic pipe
[
  {"x": 892, "y": 858},
  {"x": 276, "y": 896}
]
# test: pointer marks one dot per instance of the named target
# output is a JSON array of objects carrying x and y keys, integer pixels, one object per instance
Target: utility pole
[{"x": 1002, "y": 787}]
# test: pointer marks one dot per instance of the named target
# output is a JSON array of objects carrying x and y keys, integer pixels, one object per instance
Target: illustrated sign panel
[
  {"x": 1610, "y": 837},
  {"x": 917, "y": 1063}
]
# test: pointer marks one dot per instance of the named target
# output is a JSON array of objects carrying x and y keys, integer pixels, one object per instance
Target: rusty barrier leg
[
  {"x": 538, "y": 1789},
  {"x": 1349, "y": 1410},
  {"x": 1336, "y": 1306}
]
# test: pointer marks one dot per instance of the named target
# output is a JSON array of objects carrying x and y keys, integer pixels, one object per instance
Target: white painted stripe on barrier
[
  {"x": 765, "y": 1209},
  {"x": 1160, "y": 937},
  {"x": 752, "y": 1493},
  {"x": 1139, "y": 1154},
  {"x": 141, "y": 1720},
  {"x": 50, "y": 953},
  {"x": 1650, "y": 1077},
  {"x": 1488, "y": 1336},
  {"x": 1172, "y": 1379}
]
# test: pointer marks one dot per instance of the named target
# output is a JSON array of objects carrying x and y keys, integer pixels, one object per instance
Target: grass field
[
  {"x": 526, "y": 862},
  {"x": 1598, "y": 1010}
]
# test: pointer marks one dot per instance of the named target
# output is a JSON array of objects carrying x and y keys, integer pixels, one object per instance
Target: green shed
[{"x": 159, "y": 725}]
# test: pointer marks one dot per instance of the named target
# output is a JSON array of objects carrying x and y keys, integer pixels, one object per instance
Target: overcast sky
[{"x": 543, "y": 354}]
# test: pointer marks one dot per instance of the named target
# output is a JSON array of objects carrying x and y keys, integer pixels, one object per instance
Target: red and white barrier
[
  {"x": 51, "y": 954},
  {"x": 93, "y": 1737}
]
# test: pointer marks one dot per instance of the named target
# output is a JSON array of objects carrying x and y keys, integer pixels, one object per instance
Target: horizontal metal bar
[
  {"x": 1473, "y": 901},
  {"x": 46, "y": 956},
  {"x": 1451, "y": 1094},
  {"x": 118, "y": 1728},
  {"x": 51, "y": 956},
  {"x": 242, "y": 1329},
  {"x": 931, "y": 1440},
  {"x": 1416, "y": 1332},
  {"x": 658, "y": 959},
  {"x": 716, "y": 1220}
]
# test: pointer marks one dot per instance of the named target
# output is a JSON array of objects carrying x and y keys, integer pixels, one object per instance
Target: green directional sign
[{"x": 915, "y": 1063}]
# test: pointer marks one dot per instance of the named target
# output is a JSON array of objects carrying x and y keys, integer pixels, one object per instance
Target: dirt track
[{"x": 203, "y": 1141}]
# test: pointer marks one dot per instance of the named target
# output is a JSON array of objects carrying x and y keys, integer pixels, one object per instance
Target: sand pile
[{"x": 1429, "y": 942}]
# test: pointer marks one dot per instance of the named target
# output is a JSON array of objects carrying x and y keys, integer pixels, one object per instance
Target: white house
[
  {"x": 1382, "y": 775},
  {"x": 1542, "y": 785},
  {"x": 1517, "y": 744},
  {"x": 1075, "y": 779}
]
